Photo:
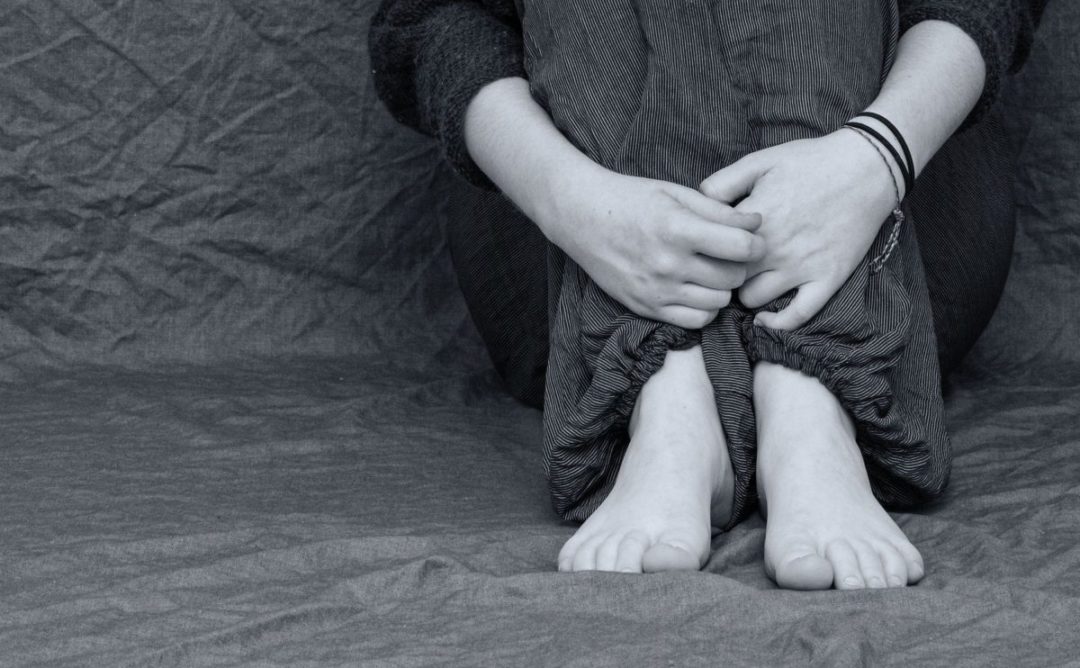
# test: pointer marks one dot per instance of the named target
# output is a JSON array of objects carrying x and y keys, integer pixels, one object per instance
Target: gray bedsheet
[{"x": 245, "y": 419}]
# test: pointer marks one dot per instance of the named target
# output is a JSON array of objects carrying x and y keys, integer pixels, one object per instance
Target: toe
[
  {"x": 870, "y": 566},
  {"x": 670, "y": 553},
  {"x": 912, "y": 559},
  {"x": 893, "y": 563},
  {"x": 569, "y": 549},
  {"x": 801, "y": 567},
  {"x": 585, "y": 557},
  {"x": 845, "y": 563},
  {"x": 607, "y": 553},
  {"x": 631, "y": 550}
]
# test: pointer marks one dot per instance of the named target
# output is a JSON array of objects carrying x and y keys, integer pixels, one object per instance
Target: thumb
[
  {"x": 806, "y": 303},
  {"x": 731, "y": 183}
]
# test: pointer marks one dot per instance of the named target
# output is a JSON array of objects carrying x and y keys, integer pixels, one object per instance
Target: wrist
[
  {"x": 568, "y": 183},
  {"x": 889, "y": 141},
  {"x": 879, "y": 180},
  {"x": 516, "y": 144}
]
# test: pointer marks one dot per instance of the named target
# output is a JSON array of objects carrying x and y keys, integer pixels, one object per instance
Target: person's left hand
[{"x": 822, "y": 202}]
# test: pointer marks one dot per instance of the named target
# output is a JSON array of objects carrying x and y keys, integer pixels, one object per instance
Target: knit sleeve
[
  {"x": 430, "y": 58},
  {"x": 1003, "y": 30}
]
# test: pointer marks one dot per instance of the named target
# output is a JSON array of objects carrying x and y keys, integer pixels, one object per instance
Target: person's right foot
[
  {"x": 824, "y": 527},
  {"x": 674, "y": 482}
]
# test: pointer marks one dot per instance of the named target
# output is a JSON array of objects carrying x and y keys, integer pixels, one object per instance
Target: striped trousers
[{"x": 675, "y": 90}]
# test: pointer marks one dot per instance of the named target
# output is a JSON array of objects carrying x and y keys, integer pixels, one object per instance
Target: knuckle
[
  {"x": 665, "y": 225},
  {"x": 744, "y": 246},
  {"x": 665, "y": 264},
  {"x": 738, "y": 274},
  {"x": 645, "y": 310},
  {"x": 675, "y": 317},
  {"x": 751, "y": 299},
  {"x": 701, "y": 318},
  {"x": 664, "y": 230}
]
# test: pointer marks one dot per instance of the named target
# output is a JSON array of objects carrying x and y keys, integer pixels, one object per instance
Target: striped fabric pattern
[{"x": 675, "y": 90}]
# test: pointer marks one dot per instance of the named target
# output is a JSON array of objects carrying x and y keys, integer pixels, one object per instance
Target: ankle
[
  {"x": 803, "y": 400},
  {"x": 679, "y": 387}
]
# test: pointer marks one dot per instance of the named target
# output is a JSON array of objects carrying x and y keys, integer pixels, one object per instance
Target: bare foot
[
  {"x": 824, "y": 527},
  {"x": 675, "y": 481}
]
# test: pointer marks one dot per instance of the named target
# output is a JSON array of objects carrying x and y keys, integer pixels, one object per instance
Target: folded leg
[
  {"x": 627, "y": 91},
  {"x": 873, "y": 348}
]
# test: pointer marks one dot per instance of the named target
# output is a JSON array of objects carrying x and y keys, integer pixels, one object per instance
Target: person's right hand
[{"x": 664, "y": 251}]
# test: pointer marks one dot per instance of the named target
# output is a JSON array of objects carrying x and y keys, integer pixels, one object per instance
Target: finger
[
  {"x": 810, "y": 299},
  {"x": 734, "y": 181},
  {"x": 765, "y": 287},
  {"x": 712, "y": 273},
  {"x": 721, "y": 242},
  {"x": 686, "y": 317},
  {"x": 701, "y": 298},
  {"x": 717, "y": 212}
]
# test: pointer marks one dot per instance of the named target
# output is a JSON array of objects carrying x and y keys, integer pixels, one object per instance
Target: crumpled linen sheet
[{"x": 246, "y": 420}]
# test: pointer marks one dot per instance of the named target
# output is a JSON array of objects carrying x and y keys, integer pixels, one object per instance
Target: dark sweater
[{"x": 430, "y": 57}]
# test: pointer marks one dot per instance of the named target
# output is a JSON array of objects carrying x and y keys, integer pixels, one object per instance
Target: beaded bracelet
[{"x": 897, "y": 213}]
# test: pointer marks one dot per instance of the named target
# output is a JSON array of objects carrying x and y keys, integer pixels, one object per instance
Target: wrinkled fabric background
[{"x": 245, "y": 419}]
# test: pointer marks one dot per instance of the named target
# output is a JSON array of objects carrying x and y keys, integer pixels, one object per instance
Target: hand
[
  {"x": 822, "y": 202},
  {"x": 665, "y": 252}
]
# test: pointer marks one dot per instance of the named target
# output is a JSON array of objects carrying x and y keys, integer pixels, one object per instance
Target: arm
[
  {"x": 937, "y": 79},
  {"x": 1001, "y": 29},
  {"x": 452, "y": 69},
  {"x": 654, "y": 246},
  {"x": 431, "y": 57},
  {"x": 935, "y": 83}
]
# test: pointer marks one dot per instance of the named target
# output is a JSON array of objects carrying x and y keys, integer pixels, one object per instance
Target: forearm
[
  {"x": 934, "y": 84},
  {"x": 514, "y": 142}
]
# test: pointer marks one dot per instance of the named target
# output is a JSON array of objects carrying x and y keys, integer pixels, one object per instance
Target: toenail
[
  {"x": 877, "y": 583},
  {"x": 852, "y": 581},
  {"x": 896, "y": 581}
]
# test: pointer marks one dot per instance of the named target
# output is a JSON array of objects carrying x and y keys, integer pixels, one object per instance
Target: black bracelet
[
  {"x": 899, "y": 139},
  {"x": 897, "y": 213},
  {"x": 909, "y": 178}
]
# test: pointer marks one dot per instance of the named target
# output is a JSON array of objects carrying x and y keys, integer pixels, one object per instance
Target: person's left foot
[{"x": 824, "y": 527}]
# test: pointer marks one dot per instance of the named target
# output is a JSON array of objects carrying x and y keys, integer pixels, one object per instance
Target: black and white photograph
[{"x": 554, "y": 333}]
